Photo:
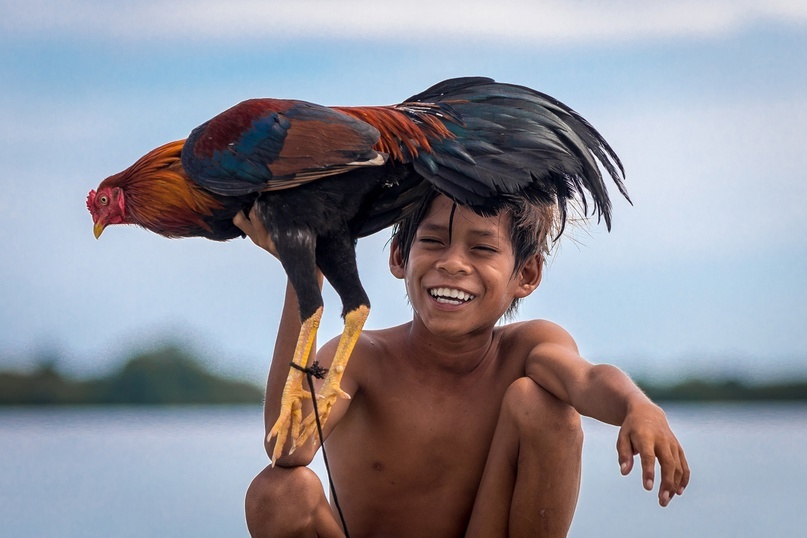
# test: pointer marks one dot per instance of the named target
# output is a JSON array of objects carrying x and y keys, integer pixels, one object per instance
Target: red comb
[{"x": 91, "y": 200}]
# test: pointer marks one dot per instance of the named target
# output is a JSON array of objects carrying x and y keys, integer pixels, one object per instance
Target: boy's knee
[
  {"x": 283, "y": 500},
  {"x": 534, "y": 410}
]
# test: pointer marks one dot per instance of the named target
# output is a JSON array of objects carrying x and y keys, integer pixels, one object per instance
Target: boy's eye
[{"x": 429, "y": 240}]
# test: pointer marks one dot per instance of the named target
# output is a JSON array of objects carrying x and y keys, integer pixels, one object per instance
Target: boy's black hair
[{"x": 531, "y": 230}]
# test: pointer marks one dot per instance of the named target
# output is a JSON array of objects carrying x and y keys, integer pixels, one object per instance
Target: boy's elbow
[
  {"x": 621, "y": 385},
  {"x": 610, "y": 375},
  {"x": 299, "y": 458},
  {"x": 606, "y": 385}
]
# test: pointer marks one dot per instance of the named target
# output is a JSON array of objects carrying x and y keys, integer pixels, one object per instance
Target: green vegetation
[
  {"x": 726, "y": 390},
  {"x": 165, "y": 376},
  {"x": 170, "y": 375}
]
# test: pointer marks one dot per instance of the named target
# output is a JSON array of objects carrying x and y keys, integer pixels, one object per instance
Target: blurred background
[
  {"x": 704, "y": 277},
  {"x": 704, "y": 102}
]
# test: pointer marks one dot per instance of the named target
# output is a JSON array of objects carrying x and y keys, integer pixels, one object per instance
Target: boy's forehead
[{"x": 442, "y": 211}]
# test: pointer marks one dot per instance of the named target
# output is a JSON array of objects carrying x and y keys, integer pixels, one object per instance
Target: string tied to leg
[{"x": 315, "y": 370}]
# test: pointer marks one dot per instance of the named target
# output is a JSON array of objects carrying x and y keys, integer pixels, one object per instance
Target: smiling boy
[{"x": 458, "y": 426}]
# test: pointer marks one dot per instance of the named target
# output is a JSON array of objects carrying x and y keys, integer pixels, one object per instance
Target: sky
[{"x": 705, "y": 103}]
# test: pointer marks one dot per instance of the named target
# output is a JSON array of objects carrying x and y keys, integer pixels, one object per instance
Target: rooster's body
[{"x": 321, "y": 177}]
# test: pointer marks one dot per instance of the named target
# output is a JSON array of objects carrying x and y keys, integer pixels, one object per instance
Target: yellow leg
[
  {"x": 293, "y": 393},
  {"x": 331, "y": 391}
]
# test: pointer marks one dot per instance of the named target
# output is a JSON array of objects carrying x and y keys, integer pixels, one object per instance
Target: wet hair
[{"x": 532, "y": 229}]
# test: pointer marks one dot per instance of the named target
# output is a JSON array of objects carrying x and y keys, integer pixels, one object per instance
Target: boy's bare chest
[
  {"x": 418, "y": 446},
  {"x": 431, "y": 407},
  {"x": 432, "y": 426},
  {"x": 417, "y": 443}
]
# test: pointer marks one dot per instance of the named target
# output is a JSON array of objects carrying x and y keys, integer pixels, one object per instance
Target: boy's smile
[{"x": 450, "y": 296}]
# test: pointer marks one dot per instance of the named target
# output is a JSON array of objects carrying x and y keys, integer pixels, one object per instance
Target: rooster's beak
[{"x": 98, "y": 229}]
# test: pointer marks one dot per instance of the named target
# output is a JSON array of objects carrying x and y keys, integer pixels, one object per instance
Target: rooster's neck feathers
[{"x": 160, "y": 197}]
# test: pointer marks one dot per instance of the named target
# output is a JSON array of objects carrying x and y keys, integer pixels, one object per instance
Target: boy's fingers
[
  {"x": 624, "y": 450},
  {"x": 648, "y": 470},
  {"x": 685, "y": 477},
  {"x": 241, "y": 221},
  {"x": 238, "y": 216},
  {"x": 257, "y": 233},
  {"x": 680, "y": 472},
  {"x": 671, "y": 474}
]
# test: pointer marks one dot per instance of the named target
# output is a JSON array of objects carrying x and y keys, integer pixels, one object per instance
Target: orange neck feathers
[{"x": 159, "y": 196}]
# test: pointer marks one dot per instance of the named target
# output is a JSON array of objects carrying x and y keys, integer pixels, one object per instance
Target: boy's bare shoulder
[
  {"x": 534, "y": 332},
  {"x": 372, "y": 344},
  {"x": 380, "y": 340},
  {"x": 369, "y": 339}
]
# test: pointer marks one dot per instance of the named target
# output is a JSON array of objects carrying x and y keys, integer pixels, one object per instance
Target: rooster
[{"x": 321, "y": 177}]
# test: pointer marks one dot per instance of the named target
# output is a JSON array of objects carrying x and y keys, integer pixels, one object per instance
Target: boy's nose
[{"x": 453, "y": 262}]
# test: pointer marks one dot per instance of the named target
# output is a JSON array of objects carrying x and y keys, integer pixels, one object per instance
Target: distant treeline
[
  {"x": 166, "y": 376},
  {"x": 170, "y": 375},
  {"x": 700, "y": 390}
]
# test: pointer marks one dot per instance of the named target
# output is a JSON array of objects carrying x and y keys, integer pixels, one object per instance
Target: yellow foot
[
  {"x": 327, "y": 397},
  {"x": 331, "y": 391},
  {"x": 290, "y": 414}
]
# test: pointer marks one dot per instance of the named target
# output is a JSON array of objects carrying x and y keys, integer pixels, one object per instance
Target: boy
[{"x": 457, "y": 426}]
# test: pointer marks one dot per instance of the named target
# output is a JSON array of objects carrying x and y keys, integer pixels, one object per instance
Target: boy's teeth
[{"x": 451, "y": 294}]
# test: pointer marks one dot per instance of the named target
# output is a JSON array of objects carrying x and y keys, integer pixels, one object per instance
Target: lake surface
[{"x": 176, "y": 472}]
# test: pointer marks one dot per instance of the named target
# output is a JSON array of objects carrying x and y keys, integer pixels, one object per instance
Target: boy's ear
[
  {"x": 397, "y": 266},
  {"x": 529, "y": 276}
]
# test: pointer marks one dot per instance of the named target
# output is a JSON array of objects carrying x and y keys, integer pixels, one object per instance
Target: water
[
  {"x": 748, "y": 469},
  {"x": 135, "y": 472}
]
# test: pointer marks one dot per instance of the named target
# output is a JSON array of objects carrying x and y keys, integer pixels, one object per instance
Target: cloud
[{"x": 548, "y": 21}]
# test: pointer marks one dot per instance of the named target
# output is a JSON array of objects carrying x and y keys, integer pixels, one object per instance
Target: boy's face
[{"x": 462, "y": 281}]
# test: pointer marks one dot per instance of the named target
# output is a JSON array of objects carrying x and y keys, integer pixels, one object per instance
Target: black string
[{"x": 315, "y": 370}]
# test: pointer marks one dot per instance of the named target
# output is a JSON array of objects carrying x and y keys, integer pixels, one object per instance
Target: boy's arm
[
  {"x": 285, "y": 343},
  {"x": 607, "y": 394}
]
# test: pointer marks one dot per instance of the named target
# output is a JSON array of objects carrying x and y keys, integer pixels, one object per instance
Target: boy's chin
[{"x": 457, "y": 324}]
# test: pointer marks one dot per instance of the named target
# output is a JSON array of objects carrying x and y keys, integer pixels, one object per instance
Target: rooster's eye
[{"x": 103, "y": 199}]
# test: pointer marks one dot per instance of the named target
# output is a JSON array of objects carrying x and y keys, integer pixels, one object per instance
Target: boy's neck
[{"x": 440, "y": 354}]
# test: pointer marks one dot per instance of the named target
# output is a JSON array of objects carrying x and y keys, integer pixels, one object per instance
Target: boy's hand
[
  {"x": 255, "y": 230},
  {"x": 645, "y": 432}
]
